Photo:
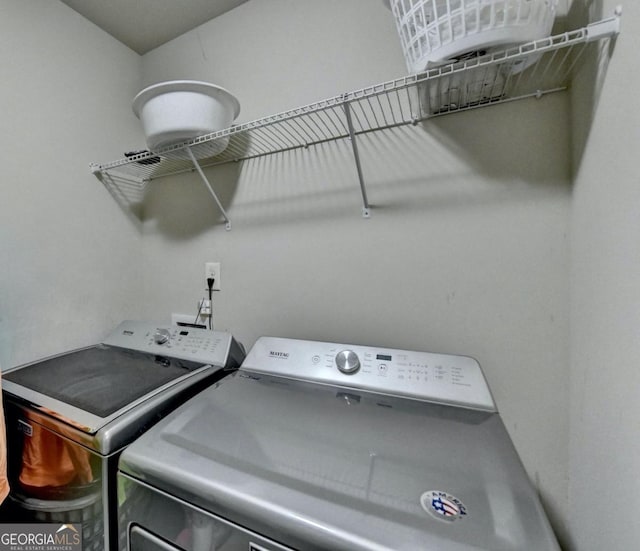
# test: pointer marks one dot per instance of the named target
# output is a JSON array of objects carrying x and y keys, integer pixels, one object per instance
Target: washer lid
[
  {"x": 323, "y": 467},
  {"x": 89, "y": 387}
]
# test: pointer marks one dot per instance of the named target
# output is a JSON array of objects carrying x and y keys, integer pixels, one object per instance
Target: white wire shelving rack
[{"x": 530, "y": 70}]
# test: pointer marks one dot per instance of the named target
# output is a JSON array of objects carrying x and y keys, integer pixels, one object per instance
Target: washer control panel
[
  {"x": 440, "y": 378},
  {"x": 185, "y": 343}
]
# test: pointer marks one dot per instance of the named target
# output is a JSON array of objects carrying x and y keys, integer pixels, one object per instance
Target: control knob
[
  {"x": 347, "y": 362},
  {"x": 161, "y": 336}
]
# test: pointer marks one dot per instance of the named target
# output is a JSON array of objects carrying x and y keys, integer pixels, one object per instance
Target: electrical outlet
[{"x": 212, "y": 269}]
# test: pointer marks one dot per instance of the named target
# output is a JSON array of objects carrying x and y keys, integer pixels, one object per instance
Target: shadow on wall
[
  {"x": 181, "y": 206},
  {"x": 134, "y": 185},
  {"x": 511, "y": 152},
  {"x": 524, "y": 142},
  {"x": 128, "y": 194},
  {"x": 588, "y": 81},
  {"x": 492, "y": 155}
]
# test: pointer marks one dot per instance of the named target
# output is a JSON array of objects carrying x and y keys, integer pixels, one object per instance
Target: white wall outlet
[{"x": 212, "y": 269}]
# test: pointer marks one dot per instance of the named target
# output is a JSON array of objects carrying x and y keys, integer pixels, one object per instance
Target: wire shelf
[{"x": 531, "y": 70}]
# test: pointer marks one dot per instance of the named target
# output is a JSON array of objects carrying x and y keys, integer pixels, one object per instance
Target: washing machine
[
  {"x": 70, "y": 416},
  {"x": 321, "y": 446}
]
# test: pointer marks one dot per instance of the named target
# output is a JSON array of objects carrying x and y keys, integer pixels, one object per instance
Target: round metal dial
[
  {"x": 347, "y": 362},
  {"x": 161, "y": 336}
]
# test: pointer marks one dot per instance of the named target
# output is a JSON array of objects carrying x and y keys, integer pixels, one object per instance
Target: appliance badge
[
  {"x": 279, "y": 355},
  {"x": 443, "y": 506}
]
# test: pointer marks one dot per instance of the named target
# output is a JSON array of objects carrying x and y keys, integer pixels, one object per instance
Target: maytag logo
[
  {"x": 281, "y": 355},
  {"x": 40, "y": 537}
]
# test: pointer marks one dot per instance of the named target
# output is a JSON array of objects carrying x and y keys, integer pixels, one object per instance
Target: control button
[
  {"x": 161, "y": 336},
  {"x": 347, "y": 362},
  {"x": 315, "y": 359}
]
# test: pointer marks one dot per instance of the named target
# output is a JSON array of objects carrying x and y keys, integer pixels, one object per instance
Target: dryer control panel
[
  {"x": 186, "y": 343},
  {"x": 440, "y": 378}
]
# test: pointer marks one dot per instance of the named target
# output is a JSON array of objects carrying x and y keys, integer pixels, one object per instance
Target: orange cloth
[
  {"x": 4, "y": 482},
  {"x": 49, "y": 460}
]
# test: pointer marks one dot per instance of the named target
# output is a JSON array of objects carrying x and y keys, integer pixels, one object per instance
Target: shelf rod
[
  {"x": 213, "y": 193},
  {"x": 300, "y": 116},
  {"x": 356, "y": 156}
]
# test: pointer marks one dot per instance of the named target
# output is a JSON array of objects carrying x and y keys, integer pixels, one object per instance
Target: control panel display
[
  {"x": 198, "y": 345},
  {"x": 440, "y": 378}
]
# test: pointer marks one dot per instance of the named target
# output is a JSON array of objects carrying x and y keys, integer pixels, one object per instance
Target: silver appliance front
[
  {"x": 70, "y": 416},
  {"x": 292, "y": 448},
  {"x": 165, "y": 523}
]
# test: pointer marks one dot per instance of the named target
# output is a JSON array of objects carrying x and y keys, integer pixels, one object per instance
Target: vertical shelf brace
[
  {"x": 356, "y": 156},
  {"x": 213, "y": 193}
]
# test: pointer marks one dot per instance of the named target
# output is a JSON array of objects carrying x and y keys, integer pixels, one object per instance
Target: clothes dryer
[{"x": 326, "y": 447}]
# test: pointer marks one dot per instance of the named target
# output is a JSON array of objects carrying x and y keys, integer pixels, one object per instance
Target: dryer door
[
  {"x": 143, "y": 540},
  {"x": 152, "y": 520}
]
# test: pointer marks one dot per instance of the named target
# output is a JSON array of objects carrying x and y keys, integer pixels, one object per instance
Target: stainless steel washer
[
  {"x": 69, "y": 417},
  {"x": 321, "y": 446}
]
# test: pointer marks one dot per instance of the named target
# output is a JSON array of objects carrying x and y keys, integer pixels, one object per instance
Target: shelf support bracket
[
  {"x": 196, "y": 164},
  {"x": 356, "y": 156}
]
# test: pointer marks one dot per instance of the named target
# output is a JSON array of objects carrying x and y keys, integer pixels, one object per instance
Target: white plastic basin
[{"x": 180, "y": 110}]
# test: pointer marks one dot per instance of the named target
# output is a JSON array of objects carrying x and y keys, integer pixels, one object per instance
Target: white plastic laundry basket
[{"x": 433, "y": 32}]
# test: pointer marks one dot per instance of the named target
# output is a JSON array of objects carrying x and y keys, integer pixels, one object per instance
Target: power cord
[
  {"x": 195, "y": 321},
  {"x": 210, "y": 282}
]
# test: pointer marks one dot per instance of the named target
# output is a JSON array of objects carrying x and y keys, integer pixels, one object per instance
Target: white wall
[
  {"x": 467, "y": 247},
  {"x": 68, "y": 253},
  {"x": 605, "y": 298}
]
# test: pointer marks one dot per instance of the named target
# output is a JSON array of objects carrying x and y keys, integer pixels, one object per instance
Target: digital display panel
[{"x": 384, "y": 357}]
